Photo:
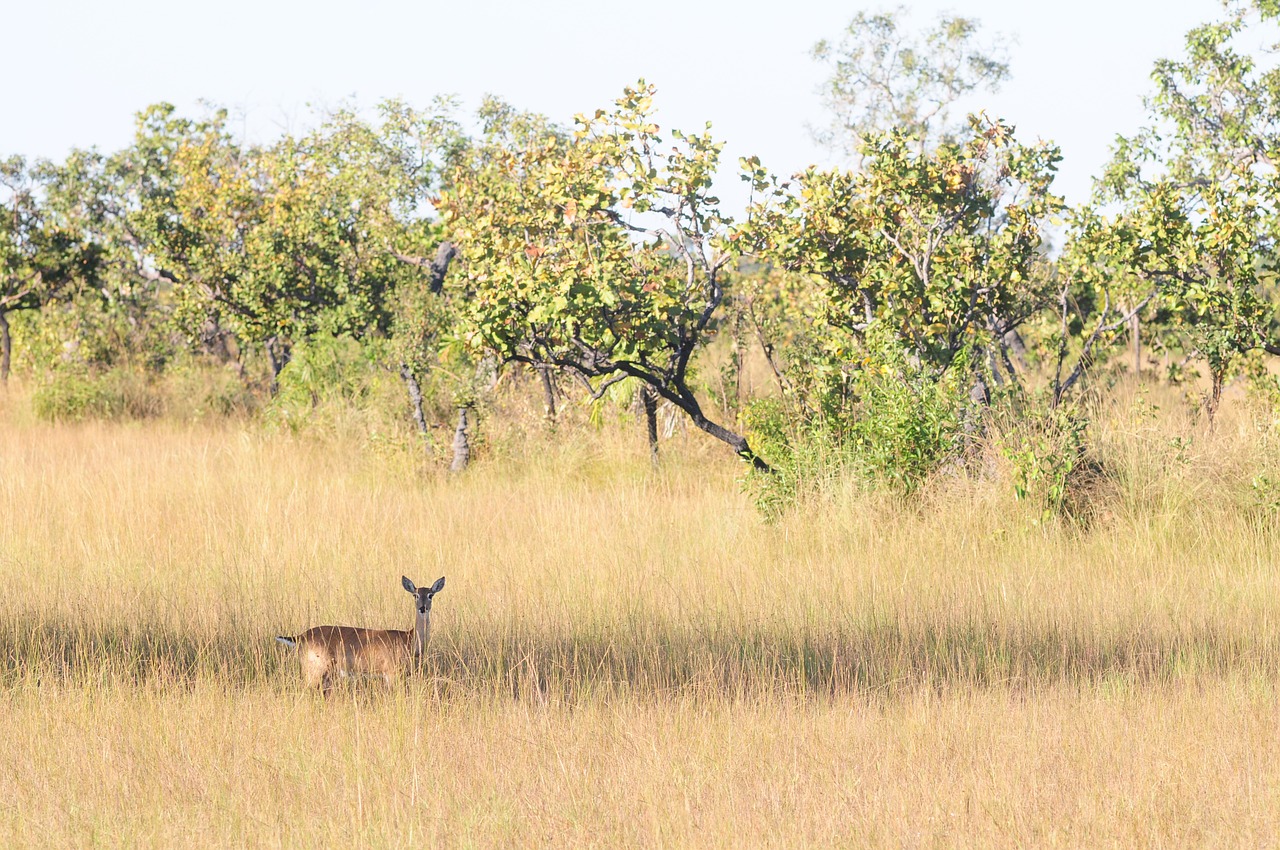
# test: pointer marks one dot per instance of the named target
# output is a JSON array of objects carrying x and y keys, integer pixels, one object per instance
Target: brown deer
[{"x": 330, "y": 652}]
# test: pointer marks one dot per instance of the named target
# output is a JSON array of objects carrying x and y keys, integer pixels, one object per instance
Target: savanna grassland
[{"x": 632, "y": 658}]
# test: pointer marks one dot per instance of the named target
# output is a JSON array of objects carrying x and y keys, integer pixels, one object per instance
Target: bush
[
  {"x": 808, "y": 457},
  {"x": 898, "y": 423},
  {"x": 120, "y": 393},
  {"x": 340, "y": 386},
  {"x": 1049, "y": 465},
  {"x": 190, "y": 390},
  {"x": 71, "y": 397},
  {"x": 908, "y": 422}
]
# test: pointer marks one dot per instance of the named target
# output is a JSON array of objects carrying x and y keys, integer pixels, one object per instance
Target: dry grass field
[{"x": 627, "y": 658}]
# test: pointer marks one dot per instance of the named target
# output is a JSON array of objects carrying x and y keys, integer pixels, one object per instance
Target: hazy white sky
[{"x": 1079, "y": 68}]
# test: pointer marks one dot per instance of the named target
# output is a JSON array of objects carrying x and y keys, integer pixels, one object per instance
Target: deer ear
[
  {"x": 438, "y": 586},
  {"x": 408, "y": 585}
]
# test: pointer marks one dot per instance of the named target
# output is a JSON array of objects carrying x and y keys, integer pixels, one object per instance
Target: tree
[
  {"x": 272, "y": 242},
  {"x": 599, "y": 252},
  {"x": 786, "y": 313},
  {"x": 926, "y": 261},
  {"x": 940, "y": 246},
  {"x": 1101, "y": 291},
  {"x": 102, "y": 198},
  {"x": 1193, "y": 200},
  {"x": 884, "y": 78},
  {"x": 40, "y": 255},
  {"x": 405, "y": 155},
  {"x": 267, "y": 244}
]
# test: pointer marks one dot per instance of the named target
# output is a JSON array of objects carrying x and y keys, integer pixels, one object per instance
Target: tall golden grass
[{"x": 633, "y": 658}]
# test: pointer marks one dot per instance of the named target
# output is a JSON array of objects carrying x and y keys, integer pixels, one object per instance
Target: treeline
[{"x": 901, "y": 306}]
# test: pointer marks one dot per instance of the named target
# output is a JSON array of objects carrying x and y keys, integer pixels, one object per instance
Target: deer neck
[{"x": 421, "y": 632}]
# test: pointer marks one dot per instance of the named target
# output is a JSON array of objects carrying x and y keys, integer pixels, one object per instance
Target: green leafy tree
[
  {"x": 1187, "y": 208},
  {"x": 786, "y": 313},
  {"x": 112, "y": 201},
  {"x": 925, "y": 263},
  {"x": 600, "y": 252},
  {"x": 941, "y": 245},
  {"x": 262, "y": 246},
  {"x": 405, "y": 155},
  {"x": 274, "y": 242},
  {"x": 1101, "y": 294},
  {"x": 41, "y": 254}
]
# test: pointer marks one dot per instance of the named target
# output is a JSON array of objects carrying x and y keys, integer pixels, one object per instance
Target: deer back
[{"x": 351, "y": 650}]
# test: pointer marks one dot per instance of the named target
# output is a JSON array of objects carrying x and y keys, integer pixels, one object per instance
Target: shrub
[
  {"x": 117, "y": 393},
  {"x": 72, "y": 397},
  {"x": 896, "y": 423},
  {"x": 340, "y": 386},
  {"x": 1049, "y": 464},
  {"x": 191, "y": 389},
  {"x": 908, "y": 421}
]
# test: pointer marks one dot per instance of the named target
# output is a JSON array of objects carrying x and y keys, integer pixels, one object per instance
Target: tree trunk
[
  {"x": 738, "y": 361},
  {"x": 6, "y": 348},
  {"x": 278, "y": 357},
  {"x": 736, "y": 441},
  {"x": 1134, "y": 332},
  {"x": 978, "y": 393},
  {"x": 1010, "y": 372},
  {"x": 1215, "y": 396},
  {"x": 445, "y": 255},
  {"x": 461, "y": 443},
  {"x": 549, "y": 393},
  {"x": 979, "y": 397},
  {"x": 993, "y": 363},
  {"x": 1014, "y": 343},
  {"x": 216, "y": 342},
  {"x": 415, "y": 397},
  {"x": 649, "y": 403}
]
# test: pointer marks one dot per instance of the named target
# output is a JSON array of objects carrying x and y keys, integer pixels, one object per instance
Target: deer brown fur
[{"x": 329, "y": 653}]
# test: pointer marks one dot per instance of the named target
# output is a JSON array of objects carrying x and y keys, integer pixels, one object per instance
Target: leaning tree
[{"x": 600, "y": 252}]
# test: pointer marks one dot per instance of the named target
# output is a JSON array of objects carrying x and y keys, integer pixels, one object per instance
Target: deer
[{"x": 327, "y": 653}]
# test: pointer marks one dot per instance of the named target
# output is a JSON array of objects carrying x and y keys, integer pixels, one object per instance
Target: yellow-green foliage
[
  {"x": 628, "y": 658},
  {"x": 190, "y": 390}
]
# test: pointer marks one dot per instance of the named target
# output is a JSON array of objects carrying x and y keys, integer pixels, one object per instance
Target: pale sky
[{"x": 79, "y": 69}]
